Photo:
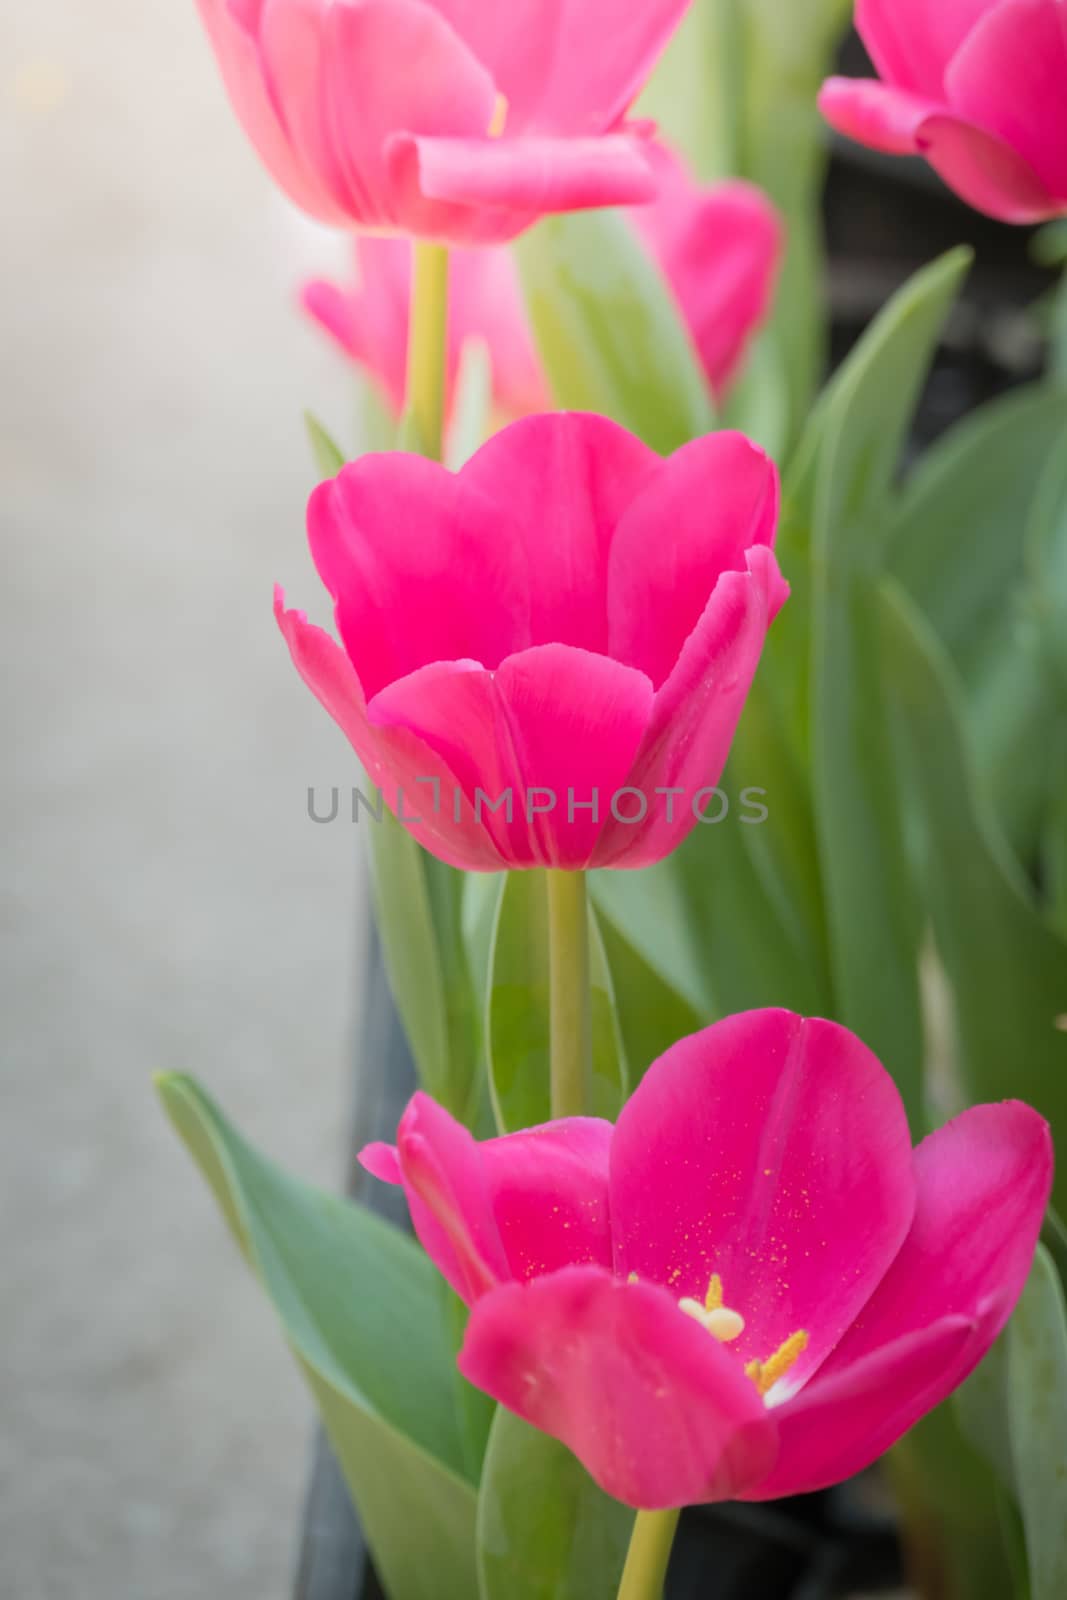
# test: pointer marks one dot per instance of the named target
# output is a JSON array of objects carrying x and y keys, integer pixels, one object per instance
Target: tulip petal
[
  {"x": 774, "y": 1151},
  {"x": 515, "y": 1207},
  {"x": 566, "y": 66},
  {"x": 876, "y": 114},
  {"x": 394, "y": 767},
  {"x": 443, "y": 89},
  {"x": 564, "y": 481},
  {"x": 982, "y": 1185},
  {"x": 696, "y": 713},
  {"x": 1009, "y": 77},
  {"x": 576, "y": 721},
  {"x": 422, "y": 566},
  {"x": 370, "y": 321},
  {"x": 841, "y": 1423},
  {"x": 521, "y": 178},
  {"x": 554, "y": 719},
  {"x": 453, "y": 708},
  {"x": 234, "y": 36},
  {"x": 655, "y": 1409},
  {"x": 696, "y": 518},
  {"x": 719, "y": 247},
  {"x": 985, "y": 172},
  {"x": 911, "y": 42}
]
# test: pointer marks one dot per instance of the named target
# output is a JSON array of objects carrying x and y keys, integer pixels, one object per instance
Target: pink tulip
[
  {"x": 370, "y": 320},
  {"x": 751, "y": 1286},
  {"x": 719, "y": 246},
  {"x": 978, "y": 87},
  {"x": 457, "y": 120},
  {"x": 545, "y": 654}
]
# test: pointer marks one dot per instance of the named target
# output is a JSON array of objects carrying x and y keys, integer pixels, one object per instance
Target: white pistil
[{"x": 721, "y": 1322}]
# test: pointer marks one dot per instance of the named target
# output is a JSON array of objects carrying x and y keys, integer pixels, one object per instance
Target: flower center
[
  {"x": 725, "y": 1325},
  {"x": 720, "y": 1321}
]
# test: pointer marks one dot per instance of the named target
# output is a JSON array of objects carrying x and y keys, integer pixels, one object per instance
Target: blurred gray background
[{"x": 167, "y": 902}]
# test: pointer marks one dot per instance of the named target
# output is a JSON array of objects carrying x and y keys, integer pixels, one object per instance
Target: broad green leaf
[
  {"x": 545, "y": 1531},
  {"x": 365, "y": 1314},
  {"x": 472, "y": 408},
  {"x": 651, "y": 1014},
  {"x": 1007, "y": 966},
  {"x": 418, "y": 906},
  {"x": 958, "y": 544},
  {"x": 1046, "y": 552},
  {"x": 872, "y": 911},
  {"x": 954, "y": 1510},
  {"x": 329, "y": 457},
  {"x": 707, "y": 924},
  {"x": 1037, "y": 1386},
  {"x": 981, "y": 1407},
  {"x": 608, "y": 331},
  {"x": 517, "y": 1013},
  {"x": 956, "y": 536}
]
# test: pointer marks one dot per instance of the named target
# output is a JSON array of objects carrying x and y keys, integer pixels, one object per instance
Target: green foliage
[
  {"x": 609, "y": 333},
  {"x": 367, "y": 1319},
  {"x": 545, "y": 1531}
]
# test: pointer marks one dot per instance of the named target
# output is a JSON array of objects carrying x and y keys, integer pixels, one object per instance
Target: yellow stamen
[
  {"x": 765, "y": 1374},
  {"x": 499, "y": 120},
  {"x": 720, "y": 1321}
]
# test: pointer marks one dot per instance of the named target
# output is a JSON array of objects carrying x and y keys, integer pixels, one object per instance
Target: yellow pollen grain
[
  {"x": 632, "y": 1278},
  {"x": 499, "y": 120},
  {"x": 765, "y": 1374}
]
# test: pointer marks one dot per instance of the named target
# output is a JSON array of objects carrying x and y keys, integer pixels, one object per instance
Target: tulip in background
[
  {"x": 978, "y": 87},
  {"x": 460, "y": 121},
  {"x": 751, "y": 1286},
  {"x": 719, "y": 247},
  {"x": 371, "y": 321},
  {"x": 568, "y": 619}
]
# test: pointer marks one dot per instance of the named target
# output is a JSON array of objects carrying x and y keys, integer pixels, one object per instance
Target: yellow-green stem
[
  {"x": 571, "y": 1034},
  {"x": 428, "y": 345},
  {"x": 649, "y": 1555}
]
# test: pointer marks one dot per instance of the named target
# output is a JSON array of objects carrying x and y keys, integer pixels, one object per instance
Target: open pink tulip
[
  {"x": 457, "y": 120},
  {"x": 719, "y": 246},
  {"x": 751, "y": 1286},
  {"x": 545, "y": 654},
  {"x": 978, "y": 87},
  {"x": 370, "y": 320}
]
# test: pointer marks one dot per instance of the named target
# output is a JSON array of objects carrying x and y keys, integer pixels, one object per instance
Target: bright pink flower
[
  {"x": 370, "y": 320},
  {"x": 978, "y": 87},
  {"x": 751, "y": 1286},
  {"x": 719, "y": 246},
  {"x": 458, "y": 120},
  {"x": 565, "y": 631}
]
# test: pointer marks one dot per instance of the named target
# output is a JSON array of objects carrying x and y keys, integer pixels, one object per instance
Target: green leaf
[
  {"x": 329, "y": 457},
  {"x": 517, "y": 1026},
  {"x": 545, "y": 1531},
  {"x": 872, "y": 910},
  {"x": 364, "y": 1312},
  {"x": 1006, "y": 965},
  {"x": 608, "y": 331},
  {"x": 418, "y": 906},
  {"x": 959, "y": 544},
  {"x": 651, "y": 1014},
  {"x": 1037, "y": 1386}
]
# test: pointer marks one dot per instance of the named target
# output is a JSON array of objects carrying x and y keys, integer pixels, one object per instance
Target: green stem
[
  {"x": 571, "y": 1032},
  {"x": 649, "y": 1555},
  {"x": 428, "y": 345}
]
